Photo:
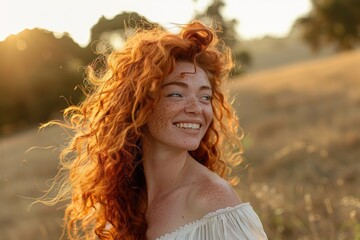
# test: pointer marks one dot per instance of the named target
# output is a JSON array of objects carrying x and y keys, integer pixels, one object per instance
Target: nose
[{"x": 192, "y": 106}]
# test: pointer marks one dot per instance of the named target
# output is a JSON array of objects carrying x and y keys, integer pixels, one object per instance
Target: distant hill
[
  {"x": 270, "y": 52},
  {"x": 316, "y": 101},
  {"x": 301, "y": 128}
]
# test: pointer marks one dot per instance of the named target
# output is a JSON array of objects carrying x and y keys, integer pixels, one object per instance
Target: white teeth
[{"x": 188, "y": 125}]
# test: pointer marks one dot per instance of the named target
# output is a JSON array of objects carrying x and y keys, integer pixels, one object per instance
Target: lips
[{"x": 194, "y": 126}]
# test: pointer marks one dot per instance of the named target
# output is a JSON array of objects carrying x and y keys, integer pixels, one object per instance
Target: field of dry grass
[
  {"x": 302, "y": 142},
  {"x": 23, "y": 177}
]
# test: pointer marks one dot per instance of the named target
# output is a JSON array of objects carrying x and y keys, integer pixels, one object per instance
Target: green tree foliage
[
  {"x": 332, "y": 22},
  {"x": 109, "y": 34},
  {"x": 36, "y": 69},
  {"x": 213, "y": 15},
  {"x": 120, "y": 23}
]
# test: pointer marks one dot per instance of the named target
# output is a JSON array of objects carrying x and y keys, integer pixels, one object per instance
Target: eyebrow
[{"x": 184, "y": 85}]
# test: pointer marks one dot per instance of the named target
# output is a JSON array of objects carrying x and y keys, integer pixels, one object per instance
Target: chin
[{"x": 190, "y": 147}]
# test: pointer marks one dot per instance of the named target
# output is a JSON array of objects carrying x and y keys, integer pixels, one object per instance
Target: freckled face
[{"x": 184, "y": 111}]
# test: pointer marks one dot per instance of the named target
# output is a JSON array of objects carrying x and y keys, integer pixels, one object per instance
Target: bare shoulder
[{"x": 211, "y": 193}]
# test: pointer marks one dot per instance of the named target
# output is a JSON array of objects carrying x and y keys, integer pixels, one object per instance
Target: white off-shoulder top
[{"x": 232, "y": 223}]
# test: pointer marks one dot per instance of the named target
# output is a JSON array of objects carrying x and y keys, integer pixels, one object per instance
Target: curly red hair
[{"x": 105, "y": 176}]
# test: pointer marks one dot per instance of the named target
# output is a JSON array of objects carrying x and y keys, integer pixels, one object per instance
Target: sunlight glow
[
  {"x": 261, "y": 17},
  {"x": 256, "y": 17}
]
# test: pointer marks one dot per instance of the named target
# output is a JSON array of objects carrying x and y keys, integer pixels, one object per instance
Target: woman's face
[{"x": 184, "y": 112}]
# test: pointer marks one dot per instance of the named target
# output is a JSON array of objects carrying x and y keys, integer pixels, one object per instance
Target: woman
[{"x": 154, "y": 139}]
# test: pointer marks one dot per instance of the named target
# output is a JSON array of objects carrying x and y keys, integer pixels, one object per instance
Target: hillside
[
  {"x": 270, "y": 52},
  {"x": 302, "y": 142},
  {"x": 316, "y": 102}
]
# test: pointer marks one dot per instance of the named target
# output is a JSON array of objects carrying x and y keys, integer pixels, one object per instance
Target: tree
[
  {"x": 115, "y": 30},
  {"x": 213, "y": 15},
  {"x": 36, "y": 69},
  {"x": 331, "y": 22}
]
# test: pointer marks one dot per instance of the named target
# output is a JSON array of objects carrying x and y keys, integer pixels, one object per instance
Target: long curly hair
[{"x": 102, "y": 163}]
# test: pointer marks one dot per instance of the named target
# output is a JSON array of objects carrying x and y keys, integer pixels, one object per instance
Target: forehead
[{"x": 185, "y": 72}]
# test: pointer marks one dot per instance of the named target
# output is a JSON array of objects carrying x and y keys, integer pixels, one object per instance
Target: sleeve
[
  {"x": 235, "y": 223},
  {"x": 240, "y": 223}
]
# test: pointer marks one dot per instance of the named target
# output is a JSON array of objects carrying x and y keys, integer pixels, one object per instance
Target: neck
[{"x": 164, "y": 168}]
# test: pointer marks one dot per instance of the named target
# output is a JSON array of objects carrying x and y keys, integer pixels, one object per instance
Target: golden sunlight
[{"x": 256, "y": 18}]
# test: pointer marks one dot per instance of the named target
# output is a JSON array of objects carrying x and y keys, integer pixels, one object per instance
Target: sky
[{"x": 256, "y": 18}]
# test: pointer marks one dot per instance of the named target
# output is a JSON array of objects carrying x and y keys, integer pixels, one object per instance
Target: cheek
[
  {"x": 157, "y": 120},
  {"x": 209, "y": 114},
  {"x": 160, "y": 118}
]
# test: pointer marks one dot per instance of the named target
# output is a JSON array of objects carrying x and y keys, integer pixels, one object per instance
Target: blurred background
[{"x": 296, "y": 89}]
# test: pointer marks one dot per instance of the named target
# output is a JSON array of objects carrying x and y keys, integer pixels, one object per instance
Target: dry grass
[
  {"x": 23, "y": 177},
  {"x": 302, "y": 140}
]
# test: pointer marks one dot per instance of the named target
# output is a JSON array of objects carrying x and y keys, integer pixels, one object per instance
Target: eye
[
  {"x": 206, "y": 98},
  {"x": 174, "y": 94}
]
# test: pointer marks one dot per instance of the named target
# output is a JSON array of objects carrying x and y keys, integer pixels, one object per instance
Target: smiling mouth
[{"x": 194, "y": 126}]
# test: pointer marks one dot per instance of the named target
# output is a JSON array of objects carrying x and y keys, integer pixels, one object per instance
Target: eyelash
[
  {"x": 207, "y": 97},
  {"x": 174, "y": 95},
  {"x": 204, "y": 97}
]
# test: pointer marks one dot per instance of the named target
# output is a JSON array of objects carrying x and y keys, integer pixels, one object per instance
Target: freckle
[{"x": 182, "y": 217}]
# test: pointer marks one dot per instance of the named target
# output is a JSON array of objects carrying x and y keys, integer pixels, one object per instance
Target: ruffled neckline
[{"x": 196, "y": 223}]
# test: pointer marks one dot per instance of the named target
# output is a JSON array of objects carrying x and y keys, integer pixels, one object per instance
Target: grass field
[
  {"x": 302, "y": 140},
  {"x": 302, "y": 145}
]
